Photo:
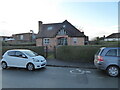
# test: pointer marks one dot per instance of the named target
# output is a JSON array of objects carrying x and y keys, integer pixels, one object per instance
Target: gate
[{"x": 50, "y": 53}]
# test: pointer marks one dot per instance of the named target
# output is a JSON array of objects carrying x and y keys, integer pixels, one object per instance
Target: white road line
[{"x": 79, "y": 71}]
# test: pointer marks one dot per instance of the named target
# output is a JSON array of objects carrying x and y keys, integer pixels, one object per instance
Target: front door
[{"x": 62, "y": 41}]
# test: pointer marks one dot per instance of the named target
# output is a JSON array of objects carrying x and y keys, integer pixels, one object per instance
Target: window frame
[
  {"x": 21, "y": 37},
  {"x": 62, "y": 32},
  {"x": 64, "y": 26},
  {"x": 75, "y": 40},
  {"x": 13, "y": 54},
  {"x": 21, "y": 54},
  {"x": 49, "y": 28},
  {"x": 16, "y": 55},
  {"x": 112, "y": 55},
  {"x": 118, "y": 52},
  {"x": 46, "y": 40}
]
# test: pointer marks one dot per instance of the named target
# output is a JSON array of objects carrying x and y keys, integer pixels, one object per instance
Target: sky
[{"x": 94, "y": 17}]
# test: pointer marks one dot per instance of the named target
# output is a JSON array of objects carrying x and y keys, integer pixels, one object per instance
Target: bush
[
  {"x": 18, "y": 44},
  {"x": 37, "y": 49},
  {"x": 81, "y": 53}
]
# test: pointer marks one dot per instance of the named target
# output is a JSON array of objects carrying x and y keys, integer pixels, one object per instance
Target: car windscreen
[{"x": 30, "y": 53}]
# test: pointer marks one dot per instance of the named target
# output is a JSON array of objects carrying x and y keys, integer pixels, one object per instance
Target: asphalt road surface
[{"x": 57, "y": 77}]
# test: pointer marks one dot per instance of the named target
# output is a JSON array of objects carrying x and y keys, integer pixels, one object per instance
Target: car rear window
[
  {"x": 99, "y": 51},
  {"x": 112, "y": 52},
  {"x": 11, "y": 53}
]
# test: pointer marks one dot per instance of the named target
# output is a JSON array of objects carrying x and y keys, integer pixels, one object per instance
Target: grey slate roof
[
  {"x": 114, "y": 35},
  {"x": 69, "y": 28}
]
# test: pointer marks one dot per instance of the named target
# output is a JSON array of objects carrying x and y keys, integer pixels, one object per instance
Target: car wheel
[
  {"x": 113, "y": 71},
  {"x": 4, "y": 65},
  {"x": 30, "y": 67}
]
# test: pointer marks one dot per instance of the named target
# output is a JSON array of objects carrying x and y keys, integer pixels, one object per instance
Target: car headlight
[
  {"x": 35, "y": 60},
  {"x": 43, "y": 60}
]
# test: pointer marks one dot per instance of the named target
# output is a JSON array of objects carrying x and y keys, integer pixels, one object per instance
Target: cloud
[{"x": 93, "y": 31}]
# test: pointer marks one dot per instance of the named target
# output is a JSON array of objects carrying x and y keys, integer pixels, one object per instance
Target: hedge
[
  {"x": 37, "y": 49},
  {"x": 18, "y": 44},
  {"x": 79, "y": 53}
]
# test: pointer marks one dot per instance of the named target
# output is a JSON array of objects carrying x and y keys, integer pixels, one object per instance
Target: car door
[
  {"x": 111, "y": 57},
  {"x": 21, "y": 60},
  {"x": 11, "y": 58},
  {"x": 119, "y": 57}
]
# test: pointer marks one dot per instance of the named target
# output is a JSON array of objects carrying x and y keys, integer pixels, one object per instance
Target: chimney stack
[{"x": 39, "y": 26}]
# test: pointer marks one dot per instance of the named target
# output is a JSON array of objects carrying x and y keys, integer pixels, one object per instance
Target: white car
[{"x": 23, "y": 59}]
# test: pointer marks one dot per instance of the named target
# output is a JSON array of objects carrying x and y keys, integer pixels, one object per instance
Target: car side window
[
  {"x": 20, "y": 54},
  {"x": 11, "y": 53},
  {"x": 112, "y": 52}
]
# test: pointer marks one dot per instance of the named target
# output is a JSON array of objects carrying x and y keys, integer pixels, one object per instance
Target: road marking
[{"x": 79, "y": 71}]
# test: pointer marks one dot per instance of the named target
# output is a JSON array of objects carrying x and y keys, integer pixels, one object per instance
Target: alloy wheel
[
  {"x": 4, "y": 65},
  {"x": 113, "y": 71},
  {"x": 30, "y": 67}
]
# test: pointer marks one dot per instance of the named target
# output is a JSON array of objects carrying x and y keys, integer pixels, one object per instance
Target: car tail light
[{"x": 100, "y": 58}]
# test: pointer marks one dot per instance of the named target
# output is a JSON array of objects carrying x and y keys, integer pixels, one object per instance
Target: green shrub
[
  {"x": 38, "y": 49},
  {"x": 81, "y": 53},
  {"x": 18, "y": 44}
]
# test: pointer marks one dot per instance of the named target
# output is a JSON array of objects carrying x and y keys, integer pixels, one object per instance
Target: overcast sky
[{"x": 96, "y": 18}]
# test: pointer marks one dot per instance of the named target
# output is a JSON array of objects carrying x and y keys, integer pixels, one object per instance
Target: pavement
[{"x": 73, "y": 64}]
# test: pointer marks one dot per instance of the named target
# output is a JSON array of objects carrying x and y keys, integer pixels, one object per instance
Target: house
[
  {"x": 113, "y": 37},
  {"x": 24, "y": 37},
  {"x": 6, "y": 38},
  {"x": 55, "y": 34}
]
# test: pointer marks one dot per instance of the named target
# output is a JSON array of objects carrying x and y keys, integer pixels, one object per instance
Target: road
[{"x": 57, "y": 77}]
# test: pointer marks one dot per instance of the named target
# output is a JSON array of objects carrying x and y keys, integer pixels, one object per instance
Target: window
[
  {"x": 30, "y": 53},
  {"x": 46, "y": 41},
  {"x": 21, "y": 37},
  {"x": 112, "y": 52},
  {"x": 50, "y": 28},
  {"x": 62, "y": 32},
  {"x": 119, "y": 52},
  {"x": 19, "y": 54},
  {"x": 11, "y": 53},
  {"x": 74, "y": 40},
  {"x": 62, "y": 41},
  {"x": 64, "y": 26}
]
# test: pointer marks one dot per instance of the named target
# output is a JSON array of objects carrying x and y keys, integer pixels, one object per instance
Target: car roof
[{"x": 19, "y": 50}]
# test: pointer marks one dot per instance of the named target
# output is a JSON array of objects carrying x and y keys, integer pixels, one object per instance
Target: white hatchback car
[{"x": 23, "y": 59}]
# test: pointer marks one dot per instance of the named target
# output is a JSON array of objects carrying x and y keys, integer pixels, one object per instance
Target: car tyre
[
  {"x": 113, "y": 71},
  {"x": 30, "y": 67},
  {"x": 4, "y": 65}
]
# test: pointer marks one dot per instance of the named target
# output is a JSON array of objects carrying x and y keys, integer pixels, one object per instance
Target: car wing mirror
[{"x": 24, "y": 56}]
